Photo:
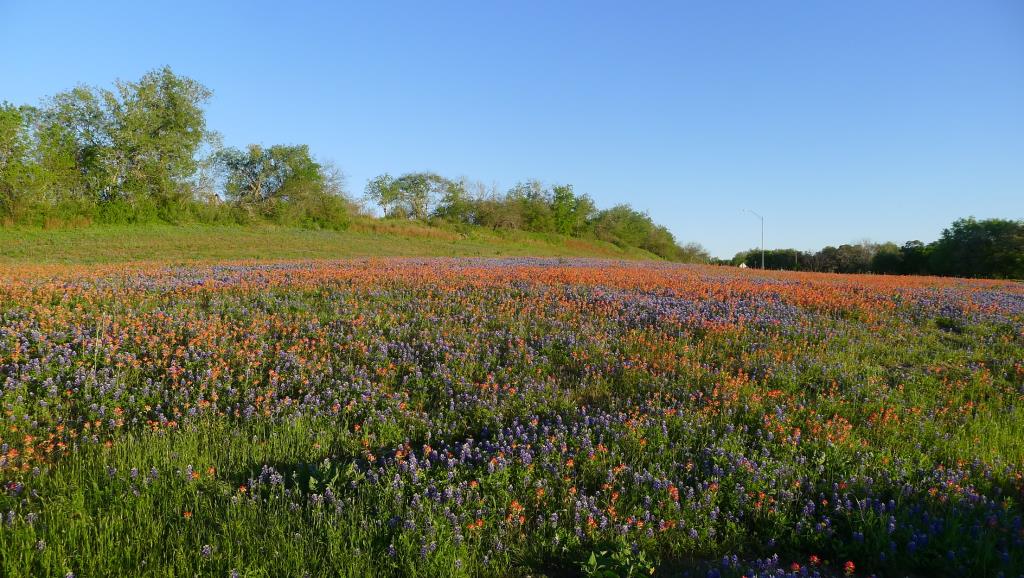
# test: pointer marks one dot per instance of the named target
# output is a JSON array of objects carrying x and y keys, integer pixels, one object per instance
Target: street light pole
[{"x": 762, "y": 234}]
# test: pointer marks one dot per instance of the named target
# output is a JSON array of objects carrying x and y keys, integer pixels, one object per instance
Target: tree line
[
  {"x": 142, "y": 152},
  {"x": 527, "y": 206},
  {"x": 969, "y": 247}
]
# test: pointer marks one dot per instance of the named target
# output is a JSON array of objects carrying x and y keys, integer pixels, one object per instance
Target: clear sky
[{"x": 837, "y": 121}]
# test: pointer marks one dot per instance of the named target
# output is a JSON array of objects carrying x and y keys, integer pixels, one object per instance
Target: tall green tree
[
  {"x": 75, "y": 145},
  {"x": 412, "y": 195},
  {"x": 157, "y": 126},
  {"x": 624, "y": 225},
  {"x": 570, "y": 212},
  {"x": 534, "y": 206},
  {"x": 498, "y": 212},
  {"x": 381, "y": 191},
  {"x": 986, "y": 248},
  {"x": 456, "y": 204},
  {"x": 15, "y": 164},
  {"x": 846, "y": 258},
  {"x": 418, "y": 191},
  {"x": 887, "y": 259},
  {"x": 283, "y": 183},
  {"x": 260, "y": 178},
  {"x": 914, "y": 258},
  {"x": 133, "y": 148}
]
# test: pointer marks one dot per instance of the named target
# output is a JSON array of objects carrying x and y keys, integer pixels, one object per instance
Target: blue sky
[{"x": 838, "y": 121}]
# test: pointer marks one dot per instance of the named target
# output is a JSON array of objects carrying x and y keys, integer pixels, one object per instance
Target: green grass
[{"x": 212, "y": 243}]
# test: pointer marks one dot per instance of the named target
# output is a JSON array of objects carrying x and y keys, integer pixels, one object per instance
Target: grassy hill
[{"x": 199, "y": 243}]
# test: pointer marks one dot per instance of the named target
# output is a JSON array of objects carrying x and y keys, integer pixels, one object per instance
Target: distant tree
[
  {"x": 134, "y": 147},
  {"x": 415, "y": 190},
  {"x": 914, "y": 258},
  {"x": 785, "y": 259},
  {"x": 987, "y": 248},
  {"x": 570, "y": 213},
  {"x": 497, "y": 212},
  {"x": 133, "y": 153},
  {"x": 583, "y": 215},
  {"x": 563, "y": 208},
  {"x": 258, "y": 177},
  {"x": 887, "y": 259},
  {"x": 534, "y": 205},
  {"x": 381, "y": 191},
  {"x": 846, "y": 258},
  {"x": 740, "y": 257},
  {"x": 828, "y": 260},
  {"x": 412, "y": 195},
  {"x": 334, "y": 182},
  {"x": 624, "y": 225},
  {"x": 325, "y": 207},
  {"x": 694, "y": 253},
  {"x": 456, "y": 204},
  {"x": 285, "y": 184},
  {"x": 13, "y": 145}
]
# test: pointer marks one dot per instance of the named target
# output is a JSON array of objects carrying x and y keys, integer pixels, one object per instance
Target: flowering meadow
[{"x": 507, "y": 417}]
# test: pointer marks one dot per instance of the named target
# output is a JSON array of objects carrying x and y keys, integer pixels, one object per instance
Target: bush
[
  {"x": 128, "y": 212},
  {"x": 322, "y": 211}
]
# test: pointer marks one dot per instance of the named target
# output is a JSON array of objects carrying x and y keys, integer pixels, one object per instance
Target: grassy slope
[{"x": 167, "y": 243}]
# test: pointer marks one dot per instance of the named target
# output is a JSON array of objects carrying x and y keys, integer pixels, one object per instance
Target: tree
[
  {"x": 739, "y": 258},
  {"x": 846, "y": 258},
  {"x": 563, "y": 207},
  {"x": 381, "y": 190},
  {"x": 570, "y": 212},
  {"x": 534, "y": 206},
  {"x": 412, "y": 195},
  {"x": 335, "y": 185},
  {"x": 15, "y": 166},
  {"x": 887, "y": 259},
  {"x": 456, "y": 206},
  {"x": 158, "y": 125},
  {"x": 623, "y": 225},
  {"x": 134, "y": 148},
  {"x": 497, "y": 212},
  {"x": 74, "y": 147},
  {"x": 914, "y": 257},
  {"x": 130, "y": 154},
  {"x": 987, "y": 248},
  {"x": 582, "y": 215},
  {"x": 285, "y": 184},
  {"x": 418, "y": 192},
  {"x": 694, "y": 253},
  {"x": 783, "y": 259},
  {"x": 260, "y": 178}
]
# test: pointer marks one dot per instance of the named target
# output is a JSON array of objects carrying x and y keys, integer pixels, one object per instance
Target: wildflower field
[{"x": 507, "y": 417}]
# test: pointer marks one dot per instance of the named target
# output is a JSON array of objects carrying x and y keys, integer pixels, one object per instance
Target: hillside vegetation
[
  {"x": 212, "y": 243},
  {"x": 142, "y": 153}
]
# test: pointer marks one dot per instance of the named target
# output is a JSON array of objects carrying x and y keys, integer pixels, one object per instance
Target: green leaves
[
  {"x": 619, "y": 563},
  {"x": 412, "y": 195},
  {"x": 88, "y": 147},
  {"x": 260, "y": 177},
  {"x": 283, "y": 183}
]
